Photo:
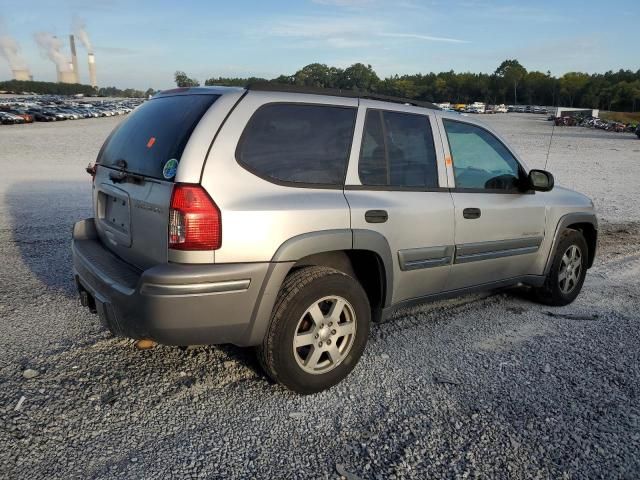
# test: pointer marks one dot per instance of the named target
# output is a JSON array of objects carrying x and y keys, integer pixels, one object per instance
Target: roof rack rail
[{"x": 336, "y": 92}]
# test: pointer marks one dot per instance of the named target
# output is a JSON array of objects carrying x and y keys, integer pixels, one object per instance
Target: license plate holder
[{"x": 114, "y": 214}]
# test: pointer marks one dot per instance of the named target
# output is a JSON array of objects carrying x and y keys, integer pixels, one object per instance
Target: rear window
[
  {"x": 298, "y": 143},
  {"x": 154, "y": 133}
]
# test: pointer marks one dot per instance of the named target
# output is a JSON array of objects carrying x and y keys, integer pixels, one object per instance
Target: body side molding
[
  {"x": 425, "y": 257},
  {"x": 473, "y": 252}
]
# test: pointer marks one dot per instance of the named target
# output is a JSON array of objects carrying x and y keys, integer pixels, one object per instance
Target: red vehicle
[{"x": 28, "y": 118}]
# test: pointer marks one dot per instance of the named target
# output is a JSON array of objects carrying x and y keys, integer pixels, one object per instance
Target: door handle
[
  {"x": 376, "y": 216},
  {"x": 471, "y": 213}
]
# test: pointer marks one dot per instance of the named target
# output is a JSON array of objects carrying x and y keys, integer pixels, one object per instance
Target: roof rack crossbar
[{"x": 335, "y": 92}]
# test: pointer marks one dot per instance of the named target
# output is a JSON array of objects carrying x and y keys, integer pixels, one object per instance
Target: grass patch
[{"x": 623, "y": 117}]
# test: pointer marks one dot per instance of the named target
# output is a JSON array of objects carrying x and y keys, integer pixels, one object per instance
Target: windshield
[{"x": 155, "y": 132}]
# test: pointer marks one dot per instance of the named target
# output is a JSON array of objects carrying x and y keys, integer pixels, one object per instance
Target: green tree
[
  {"x": 635, "y": 94},
  {"x": 512, "y": 73},
  {"x": 283, "y": 79},
  {"x": 578, "y": 89},
  {"x": 182, "y": 80},
  {"x": 626, "y": 94},
  {"x": 317, "y": 75},
  {"x": 47, "y": 88},
  {"x": 359, "y": 77},
  {"x": 571, "y": 84},
  {"x": 536, "y": 85},
  {"x": 404, "y": 87},
  {"x": 232, "y": 81}
]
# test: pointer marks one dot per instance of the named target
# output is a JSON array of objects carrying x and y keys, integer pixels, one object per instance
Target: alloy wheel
[
  {"x": 570, "y": 269},
  {"x": 324, "y": 335}
]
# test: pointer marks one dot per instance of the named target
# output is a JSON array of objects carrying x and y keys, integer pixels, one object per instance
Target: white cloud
[
  {"x": 334, "y": 32},
  {"x": 344, "y": 3},
  {"x": 323, "y": 27},
  {"x": 417, "y": 36},
  {"x": 343, "y": 32},
  {"x": 339, "y": 42}
]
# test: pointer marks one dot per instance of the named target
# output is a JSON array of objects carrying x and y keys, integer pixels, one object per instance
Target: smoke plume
[
  {"x": 80, "y": 30},
  {"x": 50, "y": 46},
  {"x": 10, "y": 50}
]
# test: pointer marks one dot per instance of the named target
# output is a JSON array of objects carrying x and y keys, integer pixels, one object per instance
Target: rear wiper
[{"x": 123, "y": 176}]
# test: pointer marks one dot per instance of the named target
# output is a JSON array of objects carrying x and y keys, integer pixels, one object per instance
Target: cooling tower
[
  {"x": 67, "y": 77},
  {"x": 74, "y": 59},
  {"x": 92, "y": 70},
  {"x": 21, "y": 74}
]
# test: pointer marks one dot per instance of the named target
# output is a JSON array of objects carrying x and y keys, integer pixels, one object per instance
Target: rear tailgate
[{"x": 135, "y": 173}]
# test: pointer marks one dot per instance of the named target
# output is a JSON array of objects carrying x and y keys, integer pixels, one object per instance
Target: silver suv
[{"x": 290, "y": 219}]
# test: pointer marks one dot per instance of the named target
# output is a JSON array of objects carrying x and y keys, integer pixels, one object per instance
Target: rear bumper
[{"x": 173, "y": 304}]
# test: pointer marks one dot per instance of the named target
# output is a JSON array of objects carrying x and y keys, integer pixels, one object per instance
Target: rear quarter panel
[
  {"x": 192, "y": 159},
  {"x": 258, "y": 216}
]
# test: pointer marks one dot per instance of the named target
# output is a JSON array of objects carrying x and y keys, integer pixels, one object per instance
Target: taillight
[{"x": 194, "y": 219}]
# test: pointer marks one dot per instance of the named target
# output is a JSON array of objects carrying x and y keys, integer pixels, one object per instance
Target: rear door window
[
  {"x": 298, "y": 143},
  {"x": 397, "y": 151},
  {"x": 154, "y": 133}
]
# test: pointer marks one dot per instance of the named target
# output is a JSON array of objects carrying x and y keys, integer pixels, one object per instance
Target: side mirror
[{"x": 540, "y": 180}]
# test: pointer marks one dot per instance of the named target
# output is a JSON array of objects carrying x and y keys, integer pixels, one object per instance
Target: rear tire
[
  {"x": 318, "y": 330},
  {"x": 568, "y": 271}
]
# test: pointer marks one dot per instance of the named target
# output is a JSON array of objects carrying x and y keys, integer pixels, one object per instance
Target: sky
[{"x": 141, "y": 44}]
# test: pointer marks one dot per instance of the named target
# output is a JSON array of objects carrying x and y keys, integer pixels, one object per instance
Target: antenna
[{"x": 550, "y": 140}]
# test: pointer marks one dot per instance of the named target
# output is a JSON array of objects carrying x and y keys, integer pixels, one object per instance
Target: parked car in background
[
  {"x": 26, "y": 116},
  {"x": 478, "y": 107},
  {"x": 17, "y": 113},
  {"x": 6, "y": 119},
  {"x": 40, "y": 116},
  {"x": 44, "y": 108},
  {"x": 57, "y": 114},
  {"x": 11, "y": 119},
  {"x": 286, "y": 219}
]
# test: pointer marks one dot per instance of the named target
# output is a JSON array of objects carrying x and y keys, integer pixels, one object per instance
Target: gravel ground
[{"x": 492, "y": 386}]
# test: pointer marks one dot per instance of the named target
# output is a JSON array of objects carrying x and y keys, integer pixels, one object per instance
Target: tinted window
[
  {"x": 397, "y": 150},
  {"x": 154, "y": 133},
  {"x": 480, "y": 160},
  {"x": 298, "y": 143}
]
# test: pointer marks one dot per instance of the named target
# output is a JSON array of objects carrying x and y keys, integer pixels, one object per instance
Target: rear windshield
[{"x": 155, "y": 132}]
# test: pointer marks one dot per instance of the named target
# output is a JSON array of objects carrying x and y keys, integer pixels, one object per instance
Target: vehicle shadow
[
  {"x": 40, "y": 219},
  {"x": 41, "y": 216}
]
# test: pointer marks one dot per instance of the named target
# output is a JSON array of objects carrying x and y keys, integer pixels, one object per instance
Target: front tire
[
  {"x": 568, "y": 271},
  {"x": 318, "y": 330}
]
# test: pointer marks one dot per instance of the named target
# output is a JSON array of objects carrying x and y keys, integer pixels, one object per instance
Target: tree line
[
  {"x": 510, "y": 83},
  {"x": 52, "y": 88}
]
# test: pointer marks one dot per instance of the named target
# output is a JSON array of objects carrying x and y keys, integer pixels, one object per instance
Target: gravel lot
[{"x": 490, "y": 385}]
